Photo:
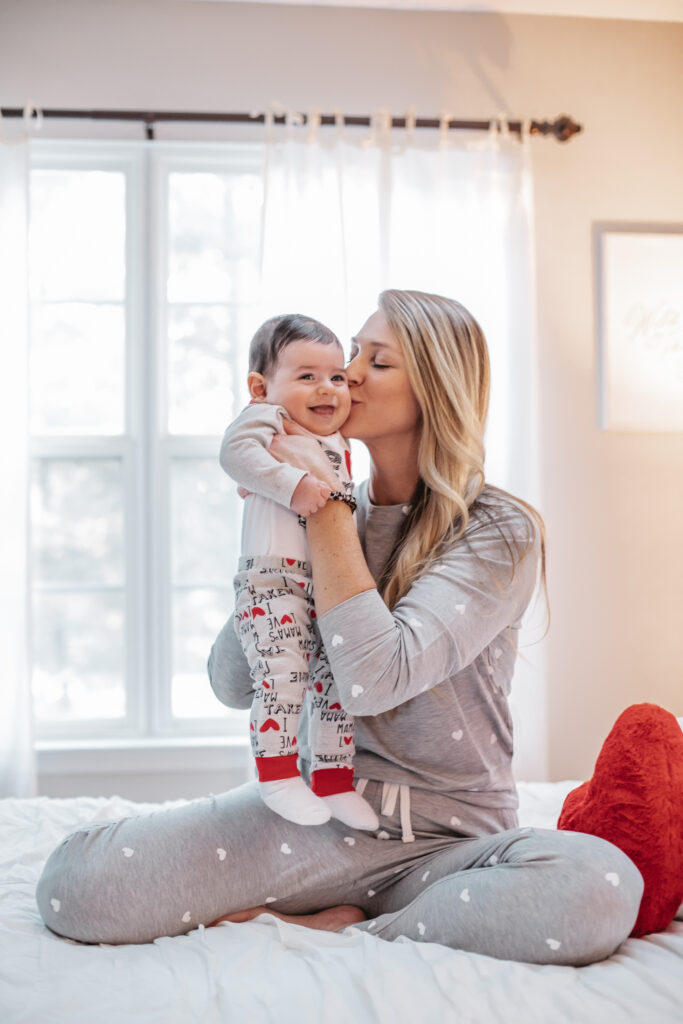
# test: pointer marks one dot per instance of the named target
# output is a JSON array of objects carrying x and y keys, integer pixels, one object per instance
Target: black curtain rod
[{"x": 562, "y": 128}]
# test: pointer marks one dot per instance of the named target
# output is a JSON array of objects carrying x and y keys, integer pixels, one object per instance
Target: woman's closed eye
[{"x": 375, "y": 365}]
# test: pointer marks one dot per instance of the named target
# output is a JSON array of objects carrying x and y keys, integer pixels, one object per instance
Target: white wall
[{"x": 613, "y": 503}]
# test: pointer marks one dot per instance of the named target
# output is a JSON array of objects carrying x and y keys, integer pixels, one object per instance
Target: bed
[{"x": 270, "y": 971}]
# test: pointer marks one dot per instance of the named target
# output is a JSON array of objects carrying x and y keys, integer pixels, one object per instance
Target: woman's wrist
[{"x": 339, "y": 567}]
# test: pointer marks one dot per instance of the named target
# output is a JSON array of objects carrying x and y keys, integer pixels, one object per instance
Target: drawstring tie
[{"x": 390, "y": 791}]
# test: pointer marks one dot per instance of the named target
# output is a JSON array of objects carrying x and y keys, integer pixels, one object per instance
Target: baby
[{"x": 296, "y": 372}]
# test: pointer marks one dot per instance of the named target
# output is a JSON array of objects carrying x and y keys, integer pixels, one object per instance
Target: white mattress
[{"x": 267, "y": 971}]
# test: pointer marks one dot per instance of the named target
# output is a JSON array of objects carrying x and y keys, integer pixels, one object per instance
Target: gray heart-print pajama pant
[{"x": 525, "y": 894}]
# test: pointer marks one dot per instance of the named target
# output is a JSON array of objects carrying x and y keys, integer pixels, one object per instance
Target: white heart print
[
  {"x": 371, "y": 892},
  {"x": 336, "y": 640},
  {"x": 221, "y": 853},
  {"x": 492, "y": 859},
  {"x": 186, "y": 916},
  {"x": 127, "y": 852},
  {"x": 553, "y": 943},
  {"x": 612, "y": 877},
  {"x": 55, "y": 904},
  {"x": 457, "y": 735},
  {"x": 271, "y": 899},
  {"x": 350, "y": 840},
  {"x": 382, "y": 835},
  {"x": 285, "y": 848},
  {"x": 357, "y": 689},
  {"x": 455, "y": 820},
  {"x": 465, "y": 895},
  {"x": 420, "y": 927},
  {"x": 460, "y": 608}
]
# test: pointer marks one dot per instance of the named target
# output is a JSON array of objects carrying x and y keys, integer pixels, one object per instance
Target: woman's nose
[{"x": 353, "y": 372}]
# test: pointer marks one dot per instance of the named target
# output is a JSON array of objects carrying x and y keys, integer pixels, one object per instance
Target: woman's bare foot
[{"x": 335, "y": 919}]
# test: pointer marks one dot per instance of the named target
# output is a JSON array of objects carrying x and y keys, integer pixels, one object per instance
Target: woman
[{"x": 419, "y": 611}]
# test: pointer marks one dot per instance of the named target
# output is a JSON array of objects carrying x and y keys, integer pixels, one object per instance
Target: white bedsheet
[{"x": 268, "y": 971}]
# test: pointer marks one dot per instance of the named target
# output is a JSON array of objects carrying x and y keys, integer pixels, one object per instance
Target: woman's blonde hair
[{"x": 447, "y": 362}]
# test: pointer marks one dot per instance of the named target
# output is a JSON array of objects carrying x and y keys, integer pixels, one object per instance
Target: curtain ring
[
  {"x": 268, "y": 124},
  {"x": 410, "y": 124},
  {"x": 372, "y": 137},
  {"x": 443, "y": 130},
  {"x": 29, "y": 110},
  {"x": 313, "y": 125},
  {"x": 339, "y": 124}
]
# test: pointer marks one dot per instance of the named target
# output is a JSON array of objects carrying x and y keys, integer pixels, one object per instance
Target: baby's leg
[
  {"x": 332, "y": 749},
  {"x": 273, "y": 625}
]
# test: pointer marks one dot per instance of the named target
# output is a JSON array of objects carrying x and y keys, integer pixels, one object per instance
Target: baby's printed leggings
[{"x": 275, "y": 621}]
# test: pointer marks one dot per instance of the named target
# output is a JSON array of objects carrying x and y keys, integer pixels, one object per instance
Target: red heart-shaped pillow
[{"x": 635, "y": 800}]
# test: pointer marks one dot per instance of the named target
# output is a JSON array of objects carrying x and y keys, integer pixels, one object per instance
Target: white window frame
[{"x": 146, "y": 450}]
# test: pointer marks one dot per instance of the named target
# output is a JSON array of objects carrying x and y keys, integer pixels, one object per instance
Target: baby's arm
[{"x": 245, "y": 457}]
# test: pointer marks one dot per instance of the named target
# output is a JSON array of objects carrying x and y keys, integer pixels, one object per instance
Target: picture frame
[{"x": 639, "y": 325}]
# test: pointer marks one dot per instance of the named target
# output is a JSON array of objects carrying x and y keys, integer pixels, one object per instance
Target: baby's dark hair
[{"x": 279, "y": 332}]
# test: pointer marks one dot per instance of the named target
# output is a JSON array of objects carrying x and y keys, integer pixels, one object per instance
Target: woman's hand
[{"x": 299, "y": 449}]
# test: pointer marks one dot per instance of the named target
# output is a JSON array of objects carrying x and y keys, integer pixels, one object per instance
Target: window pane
[
  {"x": 77, "y": 368},
  {"x": 77, "y": 235},
  {"x": 77, "y": 521},
  {"x": 214, "y": 233},
  {"x": 208, "y": 365},
  {"x": 78, "y": 651},
  {"x": 198, "y": 616},
  {"x": 205, "y": 523}
]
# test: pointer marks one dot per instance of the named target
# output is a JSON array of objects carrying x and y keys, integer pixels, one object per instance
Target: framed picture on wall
[{"x": 639, "y": 319}]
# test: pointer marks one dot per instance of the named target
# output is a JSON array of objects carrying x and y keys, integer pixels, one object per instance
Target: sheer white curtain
[
  {"x": 348, "y": 213},
  {"x": 17, "y": 754}
]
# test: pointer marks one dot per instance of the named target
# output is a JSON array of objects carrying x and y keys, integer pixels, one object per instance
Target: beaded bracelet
[{"x": 348, "y": 499}]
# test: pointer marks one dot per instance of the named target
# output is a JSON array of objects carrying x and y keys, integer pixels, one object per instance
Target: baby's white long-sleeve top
[{"x": 269, "y": 527}]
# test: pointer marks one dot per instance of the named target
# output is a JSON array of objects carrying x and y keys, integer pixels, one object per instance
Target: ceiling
[{"x": 636, "y": 10}]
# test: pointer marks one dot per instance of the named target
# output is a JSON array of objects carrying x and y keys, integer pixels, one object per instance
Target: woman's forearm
[{"x": 339, "y": 567}]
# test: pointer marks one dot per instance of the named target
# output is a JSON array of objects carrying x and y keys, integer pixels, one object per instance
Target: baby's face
[{"x": 310, "y": 382}]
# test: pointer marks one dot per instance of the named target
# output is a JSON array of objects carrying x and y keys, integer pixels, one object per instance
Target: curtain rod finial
[{"x": 563, "y": 128}]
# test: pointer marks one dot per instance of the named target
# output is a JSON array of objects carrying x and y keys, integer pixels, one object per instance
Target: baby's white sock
[
  {"x": 352, "y": 809},
  {"x": 293, "y": 800}
]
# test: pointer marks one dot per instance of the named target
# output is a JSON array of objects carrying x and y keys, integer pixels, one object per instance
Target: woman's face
[{"x": 382, "y": 401}]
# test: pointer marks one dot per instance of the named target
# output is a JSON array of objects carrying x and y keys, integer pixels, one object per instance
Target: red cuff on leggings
[
  {"x": 271, "y": 769},
  {"x": 329, "y": 781}
]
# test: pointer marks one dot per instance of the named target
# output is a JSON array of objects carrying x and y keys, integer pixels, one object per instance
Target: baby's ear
[{"x": 258, "y": 388}]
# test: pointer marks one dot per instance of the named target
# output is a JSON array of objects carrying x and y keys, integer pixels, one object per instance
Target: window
[{"x": 143, "y": 284}]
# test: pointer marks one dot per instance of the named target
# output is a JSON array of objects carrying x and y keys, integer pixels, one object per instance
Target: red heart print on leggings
[{"x": 269, "y": 724}]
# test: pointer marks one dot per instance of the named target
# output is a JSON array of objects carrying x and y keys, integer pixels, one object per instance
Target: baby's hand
[{"x": 310, "y": 495}]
